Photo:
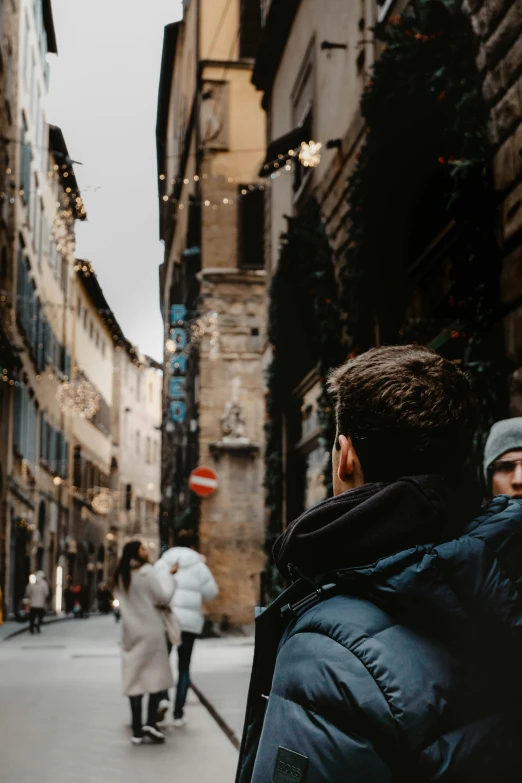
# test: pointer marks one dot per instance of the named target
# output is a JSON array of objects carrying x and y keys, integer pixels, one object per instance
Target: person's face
[
  {"x": 346, "y": 468},
  {"x": 506, "y": 476},
  {"x": 143, "y": 552}
]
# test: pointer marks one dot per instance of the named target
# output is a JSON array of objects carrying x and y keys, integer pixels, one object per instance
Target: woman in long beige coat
[{"x": 145, "y": 661}]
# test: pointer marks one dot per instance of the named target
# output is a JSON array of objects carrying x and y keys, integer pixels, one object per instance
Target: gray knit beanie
[{"x": 505, "y": 435}]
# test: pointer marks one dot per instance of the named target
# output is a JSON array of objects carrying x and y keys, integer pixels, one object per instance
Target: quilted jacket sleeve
[
  {"x": 327, "y": 708},
  {"x": 209, "y": 588}
]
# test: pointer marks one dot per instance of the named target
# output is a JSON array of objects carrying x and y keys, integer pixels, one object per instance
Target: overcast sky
[{"x": 104, "y": 87}]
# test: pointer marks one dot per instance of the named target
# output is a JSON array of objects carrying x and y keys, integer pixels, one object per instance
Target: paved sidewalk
[
  {"x": 11, "y": 627},
  {"x": 221, "y": 671},
  {"x": 64, "y": 719}
]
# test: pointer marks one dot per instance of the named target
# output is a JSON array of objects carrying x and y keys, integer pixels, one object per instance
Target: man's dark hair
[
  {"x": 407, "y": 411},
  {"x": 186, "y": 538}
]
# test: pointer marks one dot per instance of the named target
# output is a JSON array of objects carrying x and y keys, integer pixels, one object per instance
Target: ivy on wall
[
  {"x": 425, "y": 166},
  {"x": 303, "y": 309},
  {"x": 422, "y": 171}
]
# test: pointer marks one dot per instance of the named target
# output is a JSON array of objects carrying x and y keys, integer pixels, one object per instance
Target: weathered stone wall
[
  {"x": 498, "y": 26},
  {"x": 232, "y": 520}
]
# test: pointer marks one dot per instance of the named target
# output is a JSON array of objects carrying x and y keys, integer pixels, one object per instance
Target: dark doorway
[
  {"x": 40, "y": 554},
  {"x": 20, "y": 563}
]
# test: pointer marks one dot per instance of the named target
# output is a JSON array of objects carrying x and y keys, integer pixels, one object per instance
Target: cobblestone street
[{"x": 64, "y": 719}]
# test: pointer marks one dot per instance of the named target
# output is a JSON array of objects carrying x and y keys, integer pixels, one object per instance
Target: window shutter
[
  {"x": 44, "y": 340},
  {"x": 65, "y": 459},
  {"x": 251, "y": 228},
  {"x": 17, "y": 418},
  {"x": 249, "y": 28},
  {"x": 52, "y": 449},
  {"x": 33, "y": 434},
  {"x": 43, "y": 437}
]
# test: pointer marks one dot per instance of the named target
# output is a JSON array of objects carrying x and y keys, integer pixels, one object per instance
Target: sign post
[{"x": 203, "y": 481}]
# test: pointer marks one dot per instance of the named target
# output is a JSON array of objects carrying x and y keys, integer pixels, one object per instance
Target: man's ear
[{"x": 347, "y": 458}]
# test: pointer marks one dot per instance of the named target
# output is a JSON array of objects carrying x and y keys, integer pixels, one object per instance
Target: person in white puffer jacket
[{"x": 194, "y": 584}]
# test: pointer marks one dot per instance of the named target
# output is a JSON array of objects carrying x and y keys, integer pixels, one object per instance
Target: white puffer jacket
[{"x": 194, "y": 584}]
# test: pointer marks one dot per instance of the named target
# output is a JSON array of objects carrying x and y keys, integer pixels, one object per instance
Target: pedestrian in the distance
[
  {"x": 68, "y": 596},
  {"x": 503, "y": 458},
  {"x": 104, "y": 598},
  {"x": 85, "y": 601},
  {"x": 194, "y": 584},
  {"x": 77, "y": 591},
  {"x": 145, "y": 661},
  {"x": 37, "y": 593}
]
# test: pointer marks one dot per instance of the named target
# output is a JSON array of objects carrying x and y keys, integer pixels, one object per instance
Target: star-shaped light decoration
[{"x": 310, "y": 154}]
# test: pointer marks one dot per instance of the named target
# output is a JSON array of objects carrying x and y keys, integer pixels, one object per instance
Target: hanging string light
[
  {"x": 170, "y": 346},
  {"x": 102, "y": 503},
  {"x": 206, "y": 324},
  {"x": 79, "y": 397},
  {"x": 214, "y": 338}
]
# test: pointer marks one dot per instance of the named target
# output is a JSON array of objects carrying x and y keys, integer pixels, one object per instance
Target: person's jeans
[
  {"x": 35, "y": 619},
  {"x": 184, "y": 656},
  {"x": 137, "y": 715}
]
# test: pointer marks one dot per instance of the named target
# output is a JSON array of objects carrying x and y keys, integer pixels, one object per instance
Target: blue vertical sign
[{"x": 178, "y": 364}]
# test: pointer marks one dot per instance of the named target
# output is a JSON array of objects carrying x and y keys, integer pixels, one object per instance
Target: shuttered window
[
  {"x": 25, "y": 169},
  {"x": 249, "y": 28},
  {"x": 54, "y": 448},
  {"x": 25, "y": 424},
  {"x": 251, "y": 228}
]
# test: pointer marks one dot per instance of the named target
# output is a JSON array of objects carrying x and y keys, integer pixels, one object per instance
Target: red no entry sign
[{"x": 203, "y": 481}]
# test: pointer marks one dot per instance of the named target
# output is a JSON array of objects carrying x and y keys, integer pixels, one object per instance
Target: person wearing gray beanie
[{"x": 503, "y": 458}]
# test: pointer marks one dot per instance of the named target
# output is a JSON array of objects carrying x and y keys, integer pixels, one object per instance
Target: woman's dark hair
[
  {"x": 123, "y": 571},
  {"x": 407, "y": 411}
]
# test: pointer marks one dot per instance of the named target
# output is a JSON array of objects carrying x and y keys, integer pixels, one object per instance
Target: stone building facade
[
  {"x": 312, "y": 70},
  {"x": 301, "y": 82},
  {"x": 210, "y": 139},
  {"x": 498, "y": 27},
  {"x": 136, "y": 447},
  {"x": 56, "y": 328}
]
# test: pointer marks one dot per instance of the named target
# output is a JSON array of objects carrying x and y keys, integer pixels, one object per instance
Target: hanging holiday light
[
  {"x": 310, "y": 154},
  {"x": 102, "y": 502},
  {"x": 207, "y": 324},
  {"x": 79, "y": 397},
  {"x": 214, "y": 338}
]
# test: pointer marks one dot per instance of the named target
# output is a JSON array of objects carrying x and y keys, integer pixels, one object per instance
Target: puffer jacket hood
[
  {"x": 194, "y": 584},
  {"x": 376, "y": 520},
  {"x": 183, "y": 556},
  {"x": 409, "y": 671}
]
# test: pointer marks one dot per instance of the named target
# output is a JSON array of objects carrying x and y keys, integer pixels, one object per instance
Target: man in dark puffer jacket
[{"x": 395, "y": 656}]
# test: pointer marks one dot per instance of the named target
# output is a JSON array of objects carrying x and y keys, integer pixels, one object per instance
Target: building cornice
[
  {"x": 230, "y": 65},
  {"x": 239, "y": 276}
]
